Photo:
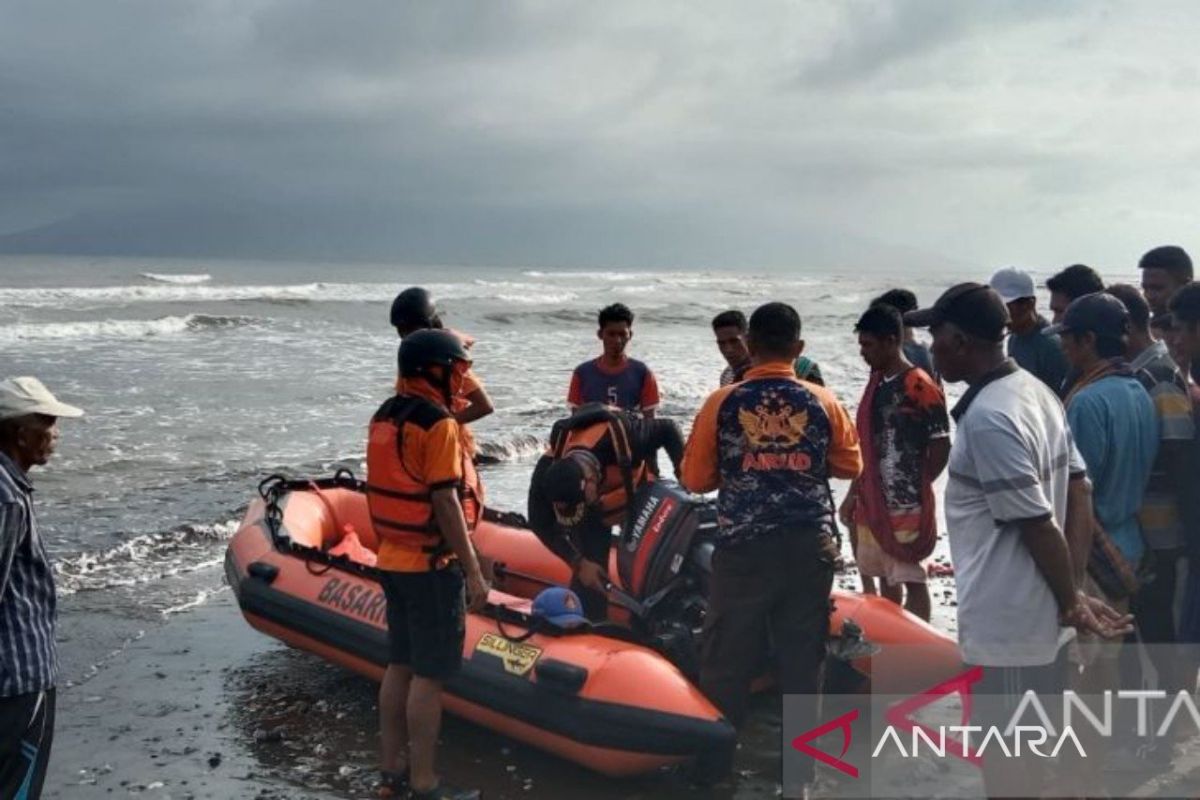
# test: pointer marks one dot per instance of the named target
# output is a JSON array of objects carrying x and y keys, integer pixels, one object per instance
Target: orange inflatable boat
[{"x": 616, "y": 699}]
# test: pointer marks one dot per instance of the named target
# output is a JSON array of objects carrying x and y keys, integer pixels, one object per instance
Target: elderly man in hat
[{"x": 28, "y": 663}]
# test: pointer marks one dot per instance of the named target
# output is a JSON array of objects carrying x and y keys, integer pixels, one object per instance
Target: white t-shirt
[{"x": 1011, "y": 460}]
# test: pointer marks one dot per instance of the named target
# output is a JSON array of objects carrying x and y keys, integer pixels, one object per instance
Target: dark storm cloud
[{"x": 818, "y": 132}]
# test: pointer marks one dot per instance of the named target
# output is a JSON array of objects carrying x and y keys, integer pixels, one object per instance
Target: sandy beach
[
  {"x": 199, "y": 705},
  {"x": 202, "y": 706}
]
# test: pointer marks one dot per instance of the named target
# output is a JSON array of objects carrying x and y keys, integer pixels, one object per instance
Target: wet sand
[{"x": 202, "y": 706}]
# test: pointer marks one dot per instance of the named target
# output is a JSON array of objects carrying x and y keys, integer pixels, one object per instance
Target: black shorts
[
  {"x": 26, "y": 732},
  {"x": 426, "y": 616}
]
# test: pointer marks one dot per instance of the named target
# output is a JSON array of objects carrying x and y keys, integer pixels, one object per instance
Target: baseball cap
[
  {"x": 26, "y": 395},
  {"x": 1013, "y": 284},
  {"x": 975, "y": 308},
  {"x": 1099, "y": 313},
  {"x": 559, "y": 606}
]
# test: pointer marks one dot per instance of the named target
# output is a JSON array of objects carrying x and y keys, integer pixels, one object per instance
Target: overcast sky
[{"x": 602, "y": 133}]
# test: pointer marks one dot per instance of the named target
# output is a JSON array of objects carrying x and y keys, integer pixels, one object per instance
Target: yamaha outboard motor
[
  {"x": 655, "y": 547},
  {"x": 663, "y": 561}
]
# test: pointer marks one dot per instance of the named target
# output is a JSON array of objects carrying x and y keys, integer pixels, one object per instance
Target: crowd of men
[{"x": 1071, "y": 501}]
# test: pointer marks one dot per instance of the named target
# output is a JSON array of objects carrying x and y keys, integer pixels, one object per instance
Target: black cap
[
  {"x": 1099, "y": 313},
  {"x": 413, "y": 308},
  {"x": 429, "y": 348},
  {"x": 973, "y": 307}
]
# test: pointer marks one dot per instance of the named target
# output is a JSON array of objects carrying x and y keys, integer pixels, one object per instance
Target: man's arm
[
  {"x": 480, "y": 405},
  {"x": 1049, "y": 550},
  {"x": 541, "y": 517},
  {"x": 453, "y": 526},
  {"x": 937, "y": 455},
  {"x": 655, "y": 434},
  {"x": 649, "y": 399},
  {"x": 937, "y": 424},
  {"x": 1080, "y": 525},
  {"x": 845, "y": 454},
  {"x": 699, "y": 468},
  {"x": 575, "y": 392}
]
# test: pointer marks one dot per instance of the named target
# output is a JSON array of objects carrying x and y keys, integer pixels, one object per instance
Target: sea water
[{"x": 200, "y": 378}]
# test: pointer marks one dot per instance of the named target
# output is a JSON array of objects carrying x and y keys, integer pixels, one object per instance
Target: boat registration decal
[{"x": 518, "y": 658}]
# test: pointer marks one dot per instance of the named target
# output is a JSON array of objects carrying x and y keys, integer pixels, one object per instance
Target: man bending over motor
[{"x": 598, "y": 457}]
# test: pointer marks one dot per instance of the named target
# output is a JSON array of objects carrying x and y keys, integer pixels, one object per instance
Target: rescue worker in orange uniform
[
  {"x": 414, "y": 310},
  {"x": 598, "y": 457},
  {"x": 769, "y": 445},
  {"x": 422, "y": 512}
]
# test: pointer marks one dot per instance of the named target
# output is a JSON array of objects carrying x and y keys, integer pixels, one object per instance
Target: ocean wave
[
  {"x": 671, "y": 278},
  {"x": 146, "y": 558},
  {"x": 288, "y": 294},
  {"x": 120, "y": 328},
  {"x": 89, "y": 296},
  {"x": 177, "y": 279},
  {"x": 515, "y": 448},
  {"x": 548, "y": 298}
]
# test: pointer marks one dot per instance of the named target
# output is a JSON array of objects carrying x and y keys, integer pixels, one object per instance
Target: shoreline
[{"x": 198, "y": 704}]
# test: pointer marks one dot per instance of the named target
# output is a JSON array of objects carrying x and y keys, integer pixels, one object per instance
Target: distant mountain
[{"x": 470, "y": 235}]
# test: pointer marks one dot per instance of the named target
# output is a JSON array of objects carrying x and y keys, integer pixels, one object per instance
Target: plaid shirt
[{"x": 28, "y": 662}]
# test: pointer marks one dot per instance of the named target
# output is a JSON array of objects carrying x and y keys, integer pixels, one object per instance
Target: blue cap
[{"x": 559, "y": 606}]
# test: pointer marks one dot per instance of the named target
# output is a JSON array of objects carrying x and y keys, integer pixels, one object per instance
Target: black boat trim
[{"x": 483, "y": 682}]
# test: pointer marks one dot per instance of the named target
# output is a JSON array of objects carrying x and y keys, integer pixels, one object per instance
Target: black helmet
[
  {"x": 429, "y": 348},
  {"x": 413, "y": 308}
]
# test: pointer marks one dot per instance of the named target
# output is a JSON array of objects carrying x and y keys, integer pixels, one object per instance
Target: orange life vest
[
  {"x": 400, "y": 503},
  {"x": 584, "y": 431}
]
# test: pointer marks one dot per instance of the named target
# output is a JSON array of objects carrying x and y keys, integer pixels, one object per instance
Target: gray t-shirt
[
  {"x": 1011, "y": 460},
  {"x": 1040, "y": 353}
]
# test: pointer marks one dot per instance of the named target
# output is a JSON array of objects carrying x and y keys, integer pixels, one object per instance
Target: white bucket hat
[{"x": 25, "y": 395}]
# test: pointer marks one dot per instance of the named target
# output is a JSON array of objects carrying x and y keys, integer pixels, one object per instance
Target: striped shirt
[
  {"x": 1158, "y": 374},
  {"x": 28, "y": 661}
]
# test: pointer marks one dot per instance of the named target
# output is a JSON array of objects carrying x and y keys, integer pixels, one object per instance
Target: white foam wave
[
  {"x": 516, "y": 448},
  {"x": 94, "y": 296},
  {"x": 179, "y": 279},
  {"x": 672, "y": 278},
  {"x": 600, "y": 275},
  {"x": 200, "y": 598},
  {"x": 119, "y": 328},
  {"x": 543, "y": 298},
  {"x": 523, "y": 293},
  {"x": 146, "y": 558},
  {"x": 77, "y": 297}
]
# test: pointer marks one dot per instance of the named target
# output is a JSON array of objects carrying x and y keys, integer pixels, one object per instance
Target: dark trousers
[
  {"x": 1154, "y": 614},
  {"x": 782, "y": 580},
  {"x": 26, "y": 732}
]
